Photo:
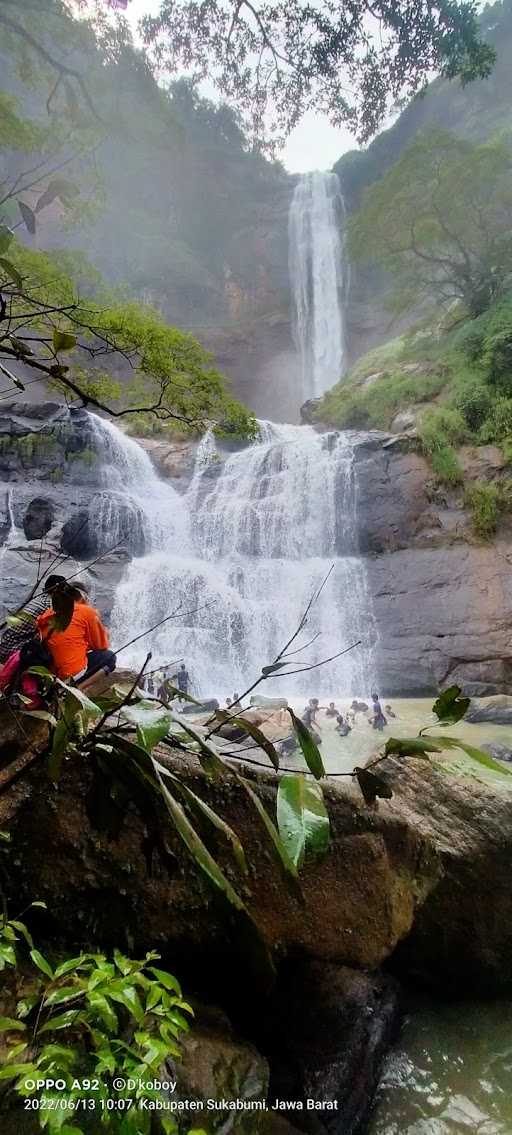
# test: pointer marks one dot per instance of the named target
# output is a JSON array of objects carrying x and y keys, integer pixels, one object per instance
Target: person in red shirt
[{"x": 75, "y": 636}]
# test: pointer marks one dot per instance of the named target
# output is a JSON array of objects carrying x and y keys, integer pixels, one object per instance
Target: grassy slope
[{"x": 458, "y": 382}]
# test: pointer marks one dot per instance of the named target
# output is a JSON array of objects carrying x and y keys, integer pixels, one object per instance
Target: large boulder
[
  {"x": 326, "y": 1030},
  {"x": 216, "y": 1064},
  {"x": 428, "y": 869},
  {"x": 497, "y": 710}
]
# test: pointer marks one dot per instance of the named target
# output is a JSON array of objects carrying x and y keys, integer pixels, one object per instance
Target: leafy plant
[{"x": 85, "y": 1024}]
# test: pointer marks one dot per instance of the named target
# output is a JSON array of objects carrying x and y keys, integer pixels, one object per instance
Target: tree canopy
[
  {"x": 350, "y": 61},
  {"x": 441, "y": 221},
  {"x": 53, "y": 326}
]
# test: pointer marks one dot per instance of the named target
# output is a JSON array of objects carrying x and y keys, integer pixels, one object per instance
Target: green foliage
[
  {"x": 498, "y": 423},
  {"x": 472, "y": 397},
  {"x": 89, "y": 1022},
  {"x": 446, "y": 466},
  {"x": 449, "y": 708},
  {"x": 442, "y": 423},
  {"x": 440, "y": 220},
  {"x": 302, "y": 817},
  {"x": 274, "y": 63},
  {"x": 439, "y": 429},
  {"x": 487, "y": 503},
  {"x": 171, "y": 372},
  {"x": 374, "y": 406}
]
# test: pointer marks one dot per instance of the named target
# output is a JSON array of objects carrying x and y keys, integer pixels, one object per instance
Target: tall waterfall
[
  {"x": 240, "y": 554},
  {"x": 257, "y": 534},
  {"x": 320, "y": 278}
]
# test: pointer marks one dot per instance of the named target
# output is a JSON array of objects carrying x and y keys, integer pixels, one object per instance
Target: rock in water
[
  {"x": 496, "y": 709},
  {"x": 326, "y": 1033}
]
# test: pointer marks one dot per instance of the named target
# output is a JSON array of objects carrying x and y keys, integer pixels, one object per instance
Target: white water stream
[
  {"x": 319, "y": 280},
  {"x": 244, "y": 550},
  {"x": 257, "y": 532}
]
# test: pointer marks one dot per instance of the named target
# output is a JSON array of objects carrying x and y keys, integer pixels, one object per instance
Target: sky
[{"x": 314, "y": 144}]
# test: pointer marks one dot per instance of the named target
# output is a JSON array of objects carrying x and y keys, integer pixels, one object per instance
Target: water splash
[
  {"x": 319, "y": 278},
  {"x": 264, "y": 527},
  {"x": 133, "y": 502}
]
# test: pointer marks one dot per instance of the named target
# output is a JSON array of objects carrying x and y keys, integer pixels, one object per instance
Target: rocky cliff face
[
  {"x": 50, "y": 482},
  {"x": 442, "y": 601}
]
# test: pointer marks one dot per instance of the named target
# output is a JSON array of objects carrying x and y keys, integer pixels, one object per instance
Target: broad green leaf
[
  {"x": 450, "y": 707},
  {"x": 153, "y": 723},
  {"x": 128, "y": 997},
  {"x": 8, "y": 1023},
  {"x": 158, "y": 1050},
  {"x": 65, "y": 993},
  {"x": 59, "y": 188},
  {"x": 412, "y": 747},
  {"x": 99, "y": 1004},
  {"x": 7, "y": 954},
  {"x": 253, "y": 731},
  {"x": 310, "y": 750},
  {"x": 12, "y": 1071},
  {"x": 52, "y": 1052},
  {"x": 281, "y": 851},
  {"x": 63, "y": 340},
  {"x": 302, "y": 817},
  {"x": 17, "y": 1050},
  {"x": 28, "y": 217},
  {"x": 76, "y": 699},
  {"x": 42, "y": 715},
  {"x": 71, "y": 964},
  {"x": 22, "y": 929},
  {"x": 372, "y": 785},
  {"x": 61, "y": 1022},
  {"x": 6, "y": 236},
  {"x": 477, "y": 755},
  {"x": 166, "y": 979},
  {"x": 197, "y": 848},
  {"x": 41, "y": 963},
  {"x": 200, "y": 805},
  {"x": 211, "y": 762},
  {"x": 60, "y": 741},
  {"x": 266, "y": 670},
  {"x": 13, "y": 276},
  {"x": 25, "y": 1006}
]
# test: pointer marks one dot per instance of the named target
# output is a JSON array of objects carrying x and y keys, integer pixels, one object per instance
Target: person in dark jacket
[{"x": 15, "y": 637}]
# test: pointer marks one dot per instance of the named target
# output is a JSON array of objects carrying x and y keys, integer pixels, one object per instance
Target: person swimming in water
[
  {"x": 342, "y": 726},
  {"x": 378, "y": 721}
]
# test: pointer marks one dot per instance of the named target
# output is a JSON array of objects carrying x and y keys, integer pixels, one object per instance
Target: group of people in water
[
  {"x": 345, "y": 724},
  {"x": 60, "y": 629}
]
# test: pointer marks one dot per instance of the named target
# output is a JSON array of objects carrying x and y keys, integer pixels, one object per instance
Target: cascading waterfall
[
  {"x": 264, "y": 527},
  {"x": 319, "y": 278},
  {"x": 241, "y": 553},
  {"x": 132, "y": 501}
]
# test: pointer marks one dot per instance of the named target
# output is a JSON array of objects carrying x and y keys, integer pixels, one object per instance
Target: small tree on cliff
[
  {"x": 58, "y": 324},
  {"x": 441, "y": 221}
]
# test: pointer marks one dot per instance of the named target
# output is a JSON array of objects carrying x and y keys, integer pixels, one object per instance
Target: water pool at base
[{"x": 450, "y": 1073}]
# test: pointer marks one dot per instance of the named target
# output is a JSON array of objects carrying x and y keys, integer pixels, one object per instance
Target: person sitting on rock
[
  {"x": 75, "y": 637},
  {"x": 16, "y": 637},
  {"x": 331, "y": 710}
]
